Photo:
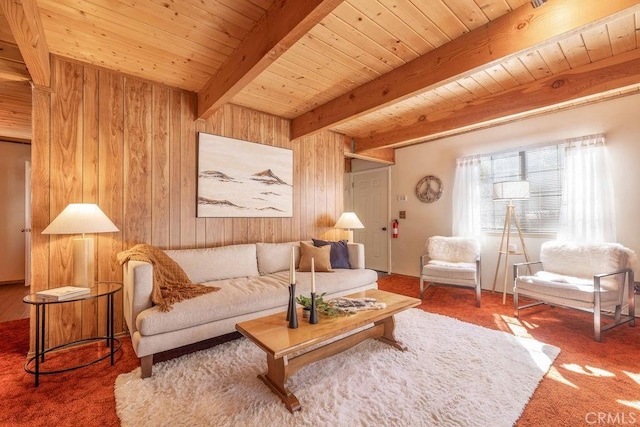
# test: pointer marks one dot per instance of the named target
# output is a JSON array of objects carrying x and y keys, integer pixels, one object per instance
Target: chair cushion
[
  {"x": 453, "y": 249},
  {"x": 577, "y": 290},
  {"x": 446, "y": 271},
  {"x": 609, "y": 282}
]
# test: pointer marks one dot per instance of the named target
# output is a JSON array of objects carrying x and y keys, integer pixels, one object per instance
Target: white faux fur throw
[
  {"x": 585, "y": 259},
  {"x": 453, "y": 249}
]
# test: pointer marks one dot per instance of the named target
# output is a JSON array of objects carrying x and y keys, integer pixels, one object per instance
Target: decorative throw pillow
[
  {"x": 339, "y": 252},
  {"x": 321, "y": 257}
]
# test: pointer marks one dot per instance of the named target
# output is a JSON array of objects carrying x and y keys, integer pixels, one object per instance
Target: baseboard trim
[{"x": 12, "y": 282}]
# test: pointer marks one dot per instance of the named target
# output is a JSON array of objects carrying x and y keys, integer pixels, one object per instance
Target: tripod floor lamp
[{"x": 513, "y": 190}]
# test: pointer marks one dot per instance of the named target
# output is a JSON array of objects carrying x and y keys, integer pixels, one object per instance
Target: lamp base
[
  {"x": 350, "y": 236},
  {"x": 83, "y": 262}
]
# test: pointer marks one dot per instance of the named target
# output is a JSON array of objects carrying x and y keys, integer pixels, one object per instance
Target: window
[{"x": 543, "y": 168}]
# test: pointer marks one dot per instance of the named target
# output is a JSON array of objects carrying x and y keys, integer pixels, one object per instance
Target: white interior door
[{"x": 371, "y": 204}]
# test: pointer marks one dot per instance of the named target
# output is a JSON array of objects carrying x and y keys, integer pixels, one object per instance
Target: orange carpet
[{"x": 590, "y": 383}]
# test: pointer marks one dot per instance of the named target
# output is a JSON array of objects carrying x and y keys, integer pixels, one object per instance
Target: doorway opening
[{"x": 15, "y": 173}]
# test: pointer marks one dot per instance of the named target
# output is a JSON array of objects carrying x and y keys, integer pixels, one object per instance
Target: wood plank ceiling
[
  {"x": 387, "y": 73},
  {"x": 15, "y": 92}
]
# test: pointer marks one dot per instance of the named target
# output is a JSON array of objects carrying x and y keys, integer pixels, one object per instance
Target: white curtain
[
  {"x": 466, "y": 198},
  {"x": 587, "y": 210}
]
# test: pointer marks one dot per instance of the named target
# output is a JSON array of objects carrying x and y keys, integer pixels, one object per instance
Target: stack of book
[{"x": 62, "y": 293}]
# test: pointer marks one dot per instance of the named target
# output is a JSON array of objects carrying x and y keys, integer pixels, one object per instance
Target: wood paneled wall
[{"x": 131, "y": 147}]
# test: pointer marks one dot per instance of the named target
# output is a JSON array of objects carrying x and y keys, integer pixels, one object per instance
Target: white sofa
[
  {"x": 253, "y": 281},
  {"x": 590, "y": 277}
]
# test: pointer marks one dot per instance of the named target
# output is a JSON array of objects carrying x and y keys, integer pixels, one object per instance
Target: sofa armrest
[
  {"x": 423, "y": 260},
  {"x": 517, "y": 266},
  {"x": 356, "y": 255},
  {"x": 136, "y": 290},
  {"x": 628, "y": 276},
  {"x": 613, "y": 273}
]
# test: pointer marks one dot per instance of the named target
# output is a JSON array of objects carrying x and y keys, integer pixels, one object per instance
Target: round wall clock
[{"x": 429, "y": 189}]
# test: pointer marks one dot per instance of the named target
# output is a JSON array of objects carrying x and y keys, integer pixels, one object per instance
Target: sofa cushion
[
  {"x": 339, "y": 252},
  {"x": 225, "y": 262},
  {"x": 245, "y": 295},
  {"x": 321, "y": 257},
  {"x": 582, "y": 260},
  {"x": 274, "y": 257}
]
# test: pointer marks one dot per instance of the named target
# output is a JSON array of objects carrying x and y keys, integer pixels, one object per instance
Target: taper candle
[
  {"x": 313, "y": 276},
  {"x": 292, "y": 270}
]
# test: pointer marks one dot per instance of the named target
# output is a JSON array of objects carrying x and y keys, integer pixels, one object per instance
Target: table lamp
[
  {"x": 349, "y": 221},
  {"x": 81, "y": 218}
]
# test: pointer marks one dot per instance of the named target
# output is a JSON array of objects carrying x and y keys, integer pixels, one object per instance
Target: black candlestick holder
[
  {"x": 292, "y": 313},
  {"x": 289, "y": 304},
  {"x": 313, "y": 316}
]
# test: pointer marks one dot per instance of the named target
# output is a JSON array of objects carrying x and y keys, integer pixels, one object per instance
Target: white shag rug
[{"x": 453, "y": 374}]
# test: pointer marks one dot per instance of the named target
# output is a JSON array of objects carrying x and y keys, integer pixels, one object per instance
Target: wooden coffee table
[{"x": 288, "y": 350}]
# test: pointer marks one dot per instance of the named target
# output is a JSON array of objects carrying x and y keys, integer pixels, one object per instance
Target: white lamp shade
[
  {"x": 349, "y": 220},
  {"x": 511, "y": 190},
  {"x": 79, "y": 218}
]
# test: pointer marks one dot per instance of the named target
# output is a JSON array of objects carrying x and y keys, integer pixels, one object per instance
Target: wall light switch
[
  {"x": 403, "y": 214},
  {"x": 402, "y": 198}
]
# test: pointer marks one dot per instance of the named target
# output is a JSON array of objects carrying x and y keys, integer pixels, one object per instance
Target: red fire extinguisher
[{"x": 394, "y": 225}]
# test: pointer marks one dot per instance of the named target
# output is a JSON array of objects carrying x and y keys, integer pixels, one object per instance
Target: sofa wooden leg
[{"x": 146, "y": 366}]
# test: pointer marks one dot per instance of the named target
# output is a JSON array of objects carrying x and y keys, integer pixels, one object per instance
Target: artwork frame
[{"x": 243, "y": 179}]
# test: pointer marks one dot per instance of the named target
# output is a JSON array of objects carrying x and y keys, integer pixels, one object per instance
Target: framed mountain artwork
[{"x": 241, "y": 179}]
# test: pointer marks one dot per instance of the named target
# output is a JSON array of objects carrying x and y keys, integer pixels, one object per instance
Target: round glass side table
[{"x": 98, "y": 290}]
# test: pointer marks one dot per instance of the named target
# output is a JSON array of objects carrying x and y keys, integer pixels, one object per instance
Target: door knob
[{"x": 26, "y": 230}]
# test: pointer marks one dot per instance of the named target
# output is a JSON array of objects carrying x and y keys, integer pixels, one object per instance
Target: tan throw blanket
[{"x": 170, "y": 283}]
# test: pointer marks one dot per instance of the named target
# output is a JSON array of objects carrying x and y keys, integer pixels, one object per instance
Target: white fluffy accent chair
[
  {"x": 451, "y": 261},
  {"x": 590, "y": 277}
]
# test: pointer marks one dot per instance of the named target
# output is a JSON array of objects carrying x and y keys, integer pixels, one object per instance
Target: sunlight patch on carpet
[
  {"x": 555, "y": 375},
  {"x": 454, "y": 373},
  {"x": 587, "y": 370},
  {"x": 632, "y": 404},
  {"x": 633, "y": 376}
]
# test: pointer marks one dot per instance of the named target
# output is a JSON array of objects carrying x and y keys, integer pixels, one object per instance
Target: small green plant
[{"x": 321, "y": 305}]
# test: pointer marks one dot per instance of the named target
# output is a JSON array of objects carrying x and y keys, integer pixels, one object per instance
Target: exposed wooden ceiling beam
[
  {"x": 381, "y": 155},
  {"x": 24, "y": 19},
  {"x": 521, "y": 30},
  {"x": 283, "y": 25},
  {"x": 533, "y": 98}
]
